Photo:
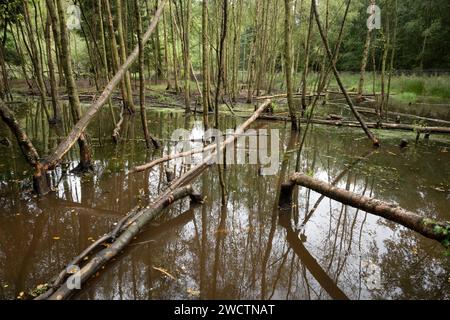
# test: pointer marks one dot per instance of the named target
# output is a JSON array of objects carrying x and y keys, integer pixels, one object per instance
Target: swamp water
[{"x": 239, "y": 249}]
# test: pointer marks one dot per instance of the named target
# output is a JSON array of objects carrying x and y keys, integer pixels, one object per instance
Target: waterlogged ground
[{"x": 240, "y": 248}]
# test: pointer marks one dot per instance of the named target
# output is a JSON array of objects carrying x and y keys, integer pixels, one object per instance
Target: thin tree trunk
[
  {"x": 72, "y": 91},
  {"x": 220, "y": 66},
  {"x": 123, "y": 56},
  {"x": 51, "y": 71},
  {"x": 338, "y": 79},
  {"x": 205, "y": 63},
  {"x": 288, "y": 61},
  {"x": 148, "y": 138}
]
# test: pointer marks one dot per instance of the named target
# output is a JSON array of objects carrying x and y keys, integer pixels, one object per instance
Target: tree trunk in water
[
  {"x": 123, "y": 56},
  {"x": 305, "y": 68},
  {"x": 114, "y": 49},
  {"x": 51, "y": 71},
  {"x": 338, "y": 79},
  {"x": 105, "y": 56},
  {"x": 34, "y": 55},
  {"x": 205, "y": 63},
  {"x": 148, "y": 138},
  {"x": 288, "y": 61},
  {"x": 129, "y": 230},
  {"x": 74, "y": 100},
  {"x": 364, "y": 64},
  {"x": 410, "y": 220},
  {"x": 220, "y": 66},
  {"x": 41, "y": 181}
]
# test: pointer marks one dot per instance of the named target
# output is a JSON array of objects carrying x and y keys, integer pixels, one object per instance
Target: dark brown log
[{"x": 424, "y": 226}]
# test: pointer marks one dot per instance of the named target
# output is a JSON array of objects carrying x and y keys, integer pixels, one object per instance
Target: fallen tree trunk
[
  {"x": 405, "y": 115},
  {"x": 426, "y": 227},
  {"x": 372, "y": 125},
  {"x": 211, "y": 146},
  {"x": 115, "y": 243},
  {"x": 358, "y": 117},
  {"x": 284, "y": 95},
  {"x": 55, "y": 157}
]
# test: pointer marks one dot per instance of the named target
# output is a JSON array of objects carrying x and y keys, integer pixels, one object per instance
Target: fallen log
[
  {"x": 211, "y": 146},
  {"x": 284, "y": 95},
  {"x": 358, "y": 117},
  {"x": 115, "y": 242},
  {"x": 429, "y": 228},
  {"x": 372, "y": 125}
]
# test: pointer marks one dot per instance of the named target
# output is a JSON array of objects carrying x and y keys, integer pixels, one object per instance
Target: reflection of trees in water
[
  {"x": 413, "y": 268},
  {"x": 234, "y": 251}
]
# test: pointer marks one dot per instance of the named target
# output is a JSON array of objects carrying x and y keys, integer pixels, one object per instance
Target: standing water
[{"x": 240, "y": 247}]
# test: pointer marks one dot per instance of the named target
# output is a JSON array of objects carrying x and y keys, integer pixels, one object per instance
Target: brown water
[{"x": 244, "y": 249}]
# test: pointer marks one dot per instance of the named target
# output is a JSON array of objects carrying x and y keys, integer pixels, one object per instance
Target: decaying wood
[
  {"x": 115, "y": 242},
  {"x": 410, "y": 220}
]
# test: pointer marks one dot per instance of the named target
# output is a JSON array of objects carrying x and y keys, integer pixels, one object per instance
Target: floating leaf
[{"x": 56, "y": 238}]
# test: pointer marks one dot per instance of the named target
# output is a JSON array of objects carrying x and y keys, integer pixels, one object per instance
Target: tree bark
[
  {"x": 288, "y": 61},
  {"x": 72, "y": 90},
  {"x": 123, "y": 57},
  {"x": 116, "y": 243},
  {"x": 41, "y": 181},
  {"x": 410, "y": 220},
  {"x": 51, "y": 71},
  {"x": 205, "y": 63},
  {"x": 148, "y": 138},
  {"x": 374, "y": 140}
]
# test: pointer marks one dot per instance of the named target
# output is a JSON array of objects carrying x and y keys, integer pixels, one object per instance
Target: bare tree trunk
[
  {"x": 128, "y": 230},
  {"x": 364, "y": 64},
  {"x": 51, "y": 71},
  {"x": 123, "y": 56},
  {"x": 338, "y": 79},
  {"x": 220, "y": 66},
  {"x": 410, "y": 220},
  {"x": 34, "y": 55},
  {"x": 72, "y": 91},
  {"x": 288, "y": 61},
  {"x": 205, "y": 63},
  {"x": 305, "y": 68},
  {"x": 114, "y": 49},
  {"x": 148, "y": 138},
  {"x": 41, "y": 181}
]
